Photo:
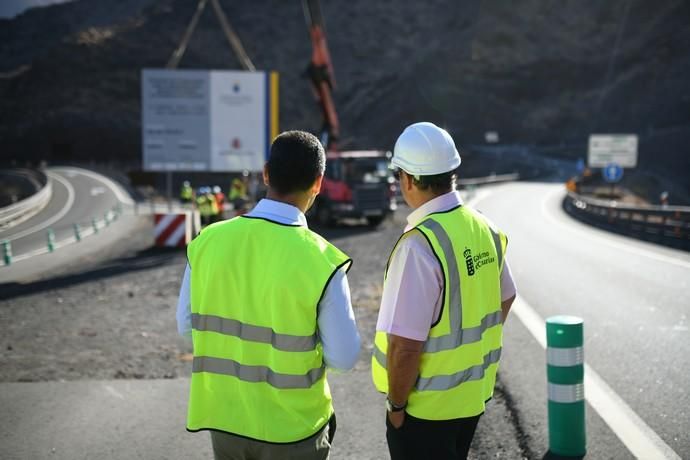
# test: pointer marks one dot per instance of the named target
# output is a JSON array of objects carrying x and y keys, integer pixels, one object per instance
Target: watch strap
[{"x": 392, "y": 407}]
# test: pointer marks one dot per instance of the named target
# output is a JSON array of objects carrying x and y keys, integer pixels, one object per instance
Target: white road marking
[
  {"x": 114, "y": 187},
  {"x": 113, "y": 392},
  {"x": 609, "y": 239},
  {"x": 65, "y": 209},
  {"x": 97, "y": 191},
  {"x": 635, "y": 434}
]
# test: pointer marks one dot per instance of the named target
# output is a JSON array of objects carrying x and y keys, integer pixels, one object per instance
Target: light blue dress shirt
[{"x": 336, "y": 320}]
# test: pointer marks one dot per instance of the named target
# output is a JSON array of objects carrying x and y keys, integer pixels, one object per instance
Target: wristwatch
[{"x": 392, "y": 407}]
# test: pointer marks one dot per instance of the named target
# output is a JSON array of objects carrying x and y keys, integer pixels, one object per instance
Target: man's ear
[
  {"x": 316, "y": 188},
  {"x": 406, "y": 181},
  {"x": 265, "y": 174}
]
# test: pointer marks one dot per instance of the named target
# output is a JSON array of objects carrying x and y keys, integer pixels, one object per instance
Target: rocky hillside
[{"x": 539, "y": 73}]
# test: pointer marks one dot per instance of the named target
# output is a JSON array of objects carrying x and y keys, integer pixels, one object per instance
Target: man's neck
[
  {"x": 423, "y": 198},
  {"x": 293, "y": 199}
]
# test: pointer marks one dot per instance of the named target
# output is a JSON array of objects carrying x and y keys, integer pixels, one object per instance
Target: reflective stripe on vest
[
  {"x": 253, "y": 333},
  {"x": 256, "y": 373},
  {"x": 453, "y": 274},
  {"x": 446, "y": 382}
]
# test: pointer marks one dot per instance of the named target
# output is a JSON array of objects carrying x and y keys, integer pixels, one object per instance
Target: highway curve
[
  {"x": 79, "y": 195},
  {"x": 633, "y": 297}
]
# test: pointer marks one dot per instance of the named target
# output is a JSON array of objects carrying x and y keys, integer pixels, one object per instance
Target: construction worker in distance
[
  {"x": 267, "y": 303},
  {"x": 446, "y": 294},
  {"x": 204, "y": 206},
  {"x": 186, "y": 192},
  {"x": 220, "y": 201},
  {"x": 213, "y": 209},
  {"x": 238, "y": 193}
]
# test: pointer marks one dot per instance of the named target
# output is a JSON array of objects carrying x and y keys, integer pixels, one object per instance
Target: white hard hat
[{"x": 424, "y": 149}]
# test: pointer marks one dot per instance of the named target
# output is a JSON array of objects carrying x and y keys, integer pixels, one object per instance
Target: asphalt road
[
  {"x": 91, "y": 364},
  {"x": 633, "y": 297},
  {"x": 78, "y": 196}
]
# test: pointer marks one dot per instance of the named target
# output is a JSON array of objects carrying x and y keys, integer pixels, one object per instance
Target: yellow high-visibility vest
[
  {"x": 460, "y": 357},
  {"x": 186, "y": 193},
  {"x": 258, "y": 368}
]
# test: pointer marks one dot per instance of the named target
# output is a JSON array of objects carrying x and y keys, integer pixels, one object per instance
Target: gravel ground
[{"x": 115, "y": 319}]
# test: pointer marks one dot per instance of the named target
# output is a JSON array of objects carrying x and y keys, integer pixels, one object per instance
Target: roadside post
[
  {"x": 77, "y": 232},
  {"x": 51, "y": 240},
  {"x": 565, "y": 375},
  {"x": 7, "y": 252},
  {"x": 94, "y": 224}
]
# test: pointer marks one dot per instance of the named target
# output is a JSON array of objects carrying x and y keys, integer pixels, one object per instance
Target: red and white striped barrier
[{"x": 173, "y": 229}]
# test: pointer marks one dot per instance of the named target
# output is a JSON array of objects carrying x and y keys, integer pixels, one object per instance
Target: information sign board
[
  {"x": 201, "y": 120},
  {"x": 605, "y": 149}
]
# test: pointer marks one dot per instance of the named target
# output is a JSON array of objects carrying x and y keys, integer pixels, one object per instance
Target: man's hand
[
  {"x": 396, "y": 418},
  {"x": 403, "y": 369}
]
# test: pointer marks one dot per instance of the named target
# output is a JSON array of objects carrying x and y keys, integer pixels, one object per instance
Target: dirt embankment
[{"x": 535, "y": 73}]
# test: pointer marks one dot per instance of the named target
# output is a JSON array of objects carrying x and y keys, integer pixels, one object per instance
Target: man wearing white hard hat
[{"x": 447, "y": 291}]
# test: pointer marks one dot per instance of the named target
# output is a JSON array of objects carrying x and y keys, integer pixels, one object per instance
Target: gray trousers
[{"x": 230, "y": 447}]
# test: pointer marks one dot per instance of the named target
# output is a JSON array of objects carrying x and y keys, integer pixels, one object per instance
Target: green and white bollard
[
  {"x": 7, "y": 252},
  {"x": 565, "y": 373},
  {"x": 51, "y": 240},
  {"x": 77, "y": 232},
  {"x": 94, "y": 224}
]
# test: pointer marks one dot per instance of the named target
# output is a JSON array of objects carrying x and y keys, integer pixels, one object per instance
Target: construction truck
[{"x": 356, "y": 184}]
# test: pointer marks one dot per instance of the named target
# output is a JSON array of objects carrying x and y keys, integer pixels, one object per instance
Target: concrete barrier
[{"x": 28, "y": 207}]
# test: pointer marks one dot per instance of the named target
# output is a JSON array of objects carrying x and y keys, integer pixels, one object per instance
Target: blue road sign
[{"x": 612, "y": 173}]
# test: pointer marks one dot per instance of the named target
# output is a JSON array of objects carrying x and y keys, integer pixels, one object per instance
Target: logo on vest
[
  {"x": 474, "y": 263},
  {"x": 468, "y": 261}
]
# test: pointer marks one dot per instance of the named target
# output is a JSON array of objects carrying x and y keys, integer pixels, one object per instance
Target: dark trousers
[{"x": 419, "y": 439}]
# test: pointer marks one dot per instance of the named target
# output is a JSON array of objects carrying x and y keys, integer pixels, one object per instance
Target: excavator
[{"x": 356, "y": 184}]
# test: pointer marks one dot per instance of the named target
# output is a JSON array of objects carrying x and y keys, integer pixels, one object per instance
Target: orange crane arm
[{"x": 320, "y": 73}]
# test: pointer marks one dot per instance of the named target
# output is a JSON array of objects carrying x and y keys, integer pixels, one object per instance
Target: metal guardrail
[
  {"x": 494, "y": 178},
  {"x": 81, "y": 230},
  {"x": 667, "y": 225},
  {"x": 29, "y": 206}
]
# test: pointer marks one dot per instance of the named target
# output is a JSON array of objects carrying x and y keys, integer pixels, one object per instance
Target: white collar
[
  {"x": 441, "y": 203},
  {"x": 278, "y": 211}
]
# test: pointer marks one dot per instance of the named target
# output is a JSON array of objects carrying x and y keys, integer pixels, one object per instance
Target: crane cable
[{"x": 230, "y": 35}]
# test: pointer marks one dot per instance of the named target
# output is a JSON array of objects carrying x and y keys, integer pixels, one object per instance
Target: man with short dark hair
[
  {"x": 268, "y": 305},
  {"x": 447, "y": 291}
]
